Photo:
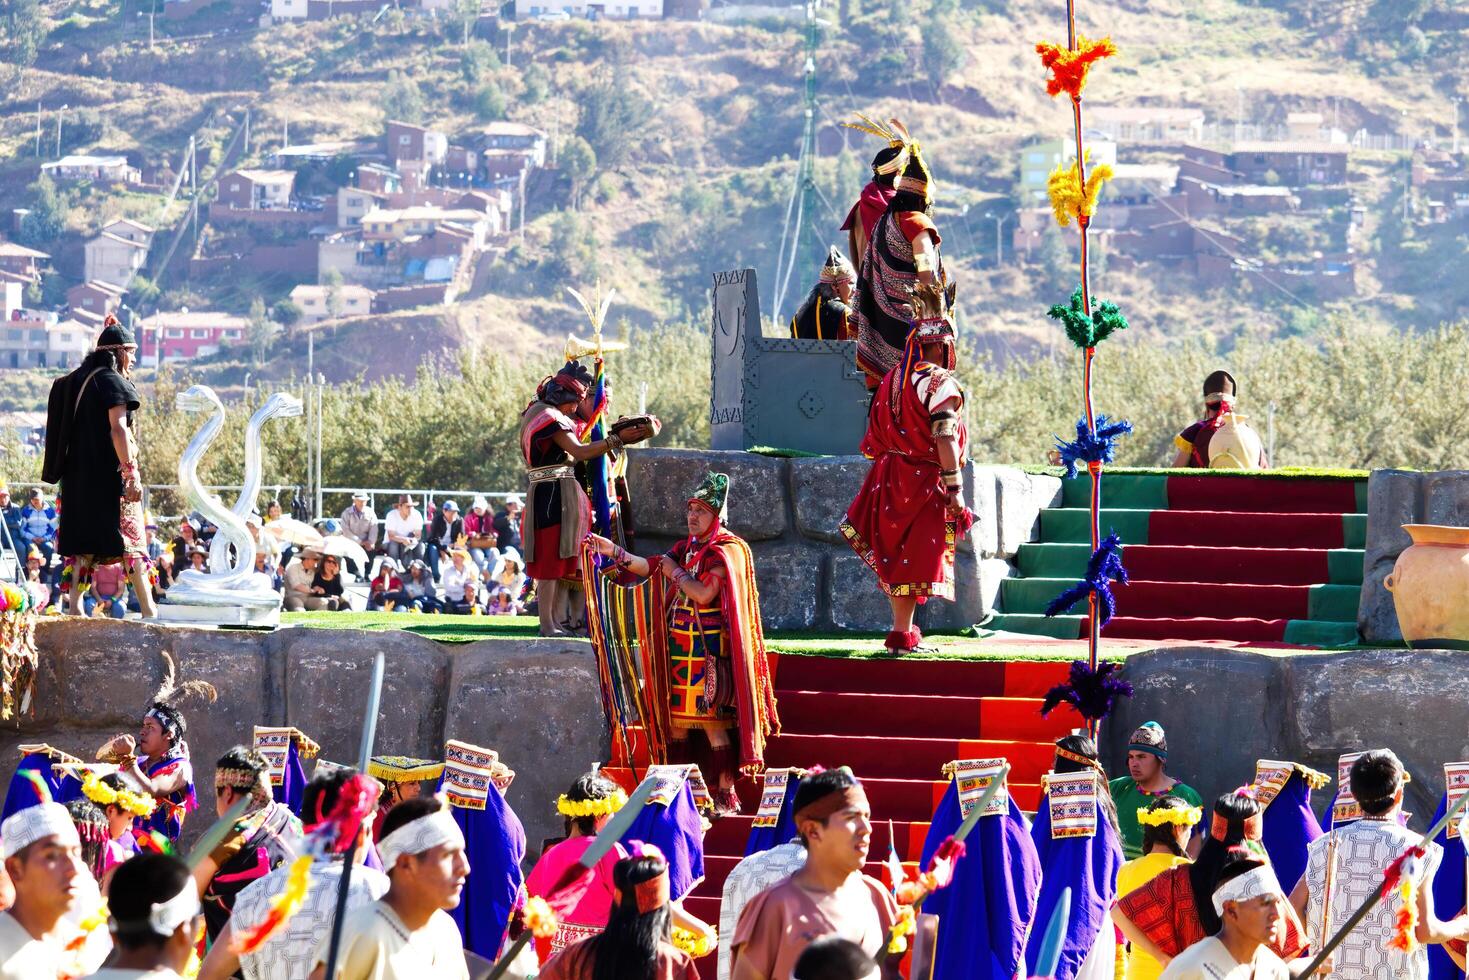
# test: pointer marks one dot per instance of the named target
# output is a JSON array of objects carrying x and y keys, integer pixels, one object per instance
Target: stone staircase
[{"x": 1250, "y": 559}]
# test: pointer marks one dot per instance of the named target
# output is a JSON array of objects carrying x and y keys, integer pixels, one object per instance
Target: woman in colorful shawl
[
  {"x": 582, "y": 908},
  {"x": 1174, "y": 910},
  {"x": 559, "y": 513},
  {"x": 1083, "y": 858},
  {"x": 717, "y": 678},
  {"x": 910, "y": 511},
  {"x": 902, "y": 253},
  {"x": 102, "y": 522}
]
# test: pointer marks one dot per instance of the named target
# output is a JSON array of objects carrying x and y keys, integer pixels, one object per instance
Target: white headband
[
  {"x": 164, "y": 918},
  {"x": 24, "y": 827},
  {"x": 1252, "y": 884},
  {"x": 418, "y": 836}
]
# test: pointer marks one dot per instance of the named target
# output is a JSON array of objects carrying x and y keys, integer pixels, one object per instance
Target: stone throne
[{"x": 779, "y": 392}]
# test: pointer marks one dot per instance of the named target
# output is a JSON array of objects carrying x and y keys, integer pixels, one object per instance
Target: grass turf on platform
[{"x": 467, "y": 629}]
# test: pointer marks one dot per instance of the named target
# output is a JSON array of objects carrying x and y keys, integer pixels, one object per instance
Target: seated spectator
[
  {"x": 468, "y": 603},
  {"x": 265, "y": 544},
  {"x": 39, "y": 590},
  {"x": 156, "y": 551},
  {"x": 109, "y": 591},
  {"x": 444, "y": 532},
  {"x": 38, "y": 530},
  {"x": 199, "y": 558},
  {"x": 479, "y": 529},
  {"x": 263, "y": 566},
  {"x": 1222, "y": 439},
  {"x": 452, "y": 579},
  {"x": 326, "y": 588},
  {"x": 418, "y": 588},
  {"x": 187, "y": 537},
  {"x": 10, "y": 514},
  {"x": 507, "y": 524},
  {"x": 506, "y": 584},
  {"x": 299, "y": 577},
  {"x": 359, "y": 523},
  {"x": 274, "y": 512},
  {"x": 403, "y": 531},
  {"x": 385, "y": 591}
]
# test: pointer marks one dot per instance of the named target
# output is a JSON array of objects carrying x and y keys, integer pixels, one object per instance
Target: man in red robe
[
  {"x": 910, "y": 511},
  {"x": 708, "y": 662}
]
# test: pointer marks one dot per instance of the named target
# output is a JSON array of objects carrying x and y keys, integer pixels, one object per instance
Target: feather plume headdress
[
  {"x": 894, "y": 133},
  {"x": 170, "y": 694}
]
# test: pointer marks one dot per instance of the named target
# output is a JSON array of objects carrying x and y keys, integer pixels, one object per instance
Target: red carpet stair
[
  {"x": 895, "y": 723},
  {"x": 1250, "y": 559}
]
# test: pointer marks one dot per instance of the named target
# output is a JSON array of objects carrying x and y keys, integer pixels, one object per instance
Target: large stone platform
[
  {"x": 789, "y": 509},
  {"x": 533, "y": 701}
]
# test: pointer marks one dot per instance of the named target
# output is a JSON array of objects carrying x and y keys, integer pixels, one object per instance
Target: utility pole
[
  {"x": 38, "y": 130},
  {"x": 247, "y": 132},
  {"x": 59, "y": 113},
  {"x": 805, "y": 226}
]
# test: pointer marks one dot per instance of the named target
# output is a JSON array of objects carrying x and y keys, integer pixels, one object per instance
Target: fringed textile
[
  {"x": 630, "y": 676},
  {"x": 1071, "y": 199},
  {"x": 1089, "y": 446},
  {"x": 1069, "y": 68},
  {"x": 18, "y": 654},
  {"x": 1084, "y": 329}
]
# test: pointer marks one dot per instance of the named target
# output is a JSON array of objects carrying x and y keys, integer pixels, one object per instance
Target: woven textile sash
[
  {"x": 1270, "y": 778},
  {"x": 973, "y": 777},
  {"x": 1072, "y": 797},
  {"x": 274, "y": 744},
  {"x": 1456, "y": 782},
  {"x": 467, "y": 770},
  {"x": 772, "y": 797}
]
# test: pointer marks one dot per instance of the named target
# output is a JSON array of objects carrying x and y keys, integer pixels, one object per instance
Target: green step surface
[
  {"x": 1314, "y": 633},
  {"x": 1354, "y": 530},
  {"x": 1058, "y": 627},
  {"x": 1141, "y": 491},
  {"x": 1335, "y": 603},
  {"x": 1328, "y": 603},
  {"x": 1074, "y": 524},
  {"x": 1056, "y": 559}
]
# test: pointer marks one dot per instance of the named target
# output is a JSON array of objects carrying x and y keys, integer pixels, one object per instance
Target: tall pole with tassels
[{"x": 1074, "y": 192}]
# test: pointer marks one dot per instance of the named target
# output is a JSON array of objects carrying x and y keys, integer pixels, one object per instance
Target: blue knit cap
[{"x": 1149, "y": 738}]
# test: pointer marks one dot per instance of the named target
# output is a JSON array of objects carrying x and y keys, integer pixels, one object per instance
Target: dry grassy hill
[{"x": 699, "y": 180}]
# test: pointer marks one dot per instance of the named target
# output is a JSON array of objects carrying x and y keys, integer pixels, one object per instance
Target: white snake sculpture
[{"x": 229, "y": 583}]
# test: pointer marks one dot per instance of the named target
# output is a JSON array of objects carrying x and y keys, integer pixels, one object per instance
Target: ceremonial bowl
[{"x": 1430, "y": 587}]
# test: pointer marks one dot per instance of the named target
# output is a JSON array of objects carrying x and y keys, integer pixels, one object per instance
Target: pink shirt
[
  {"x": 107, "y": 580},
  {"x": 589, "y": 903}
]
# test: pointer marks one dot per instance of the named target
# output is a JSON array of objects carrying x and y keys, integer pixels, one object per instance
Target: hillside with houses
[{"x": 370, "y": 183}]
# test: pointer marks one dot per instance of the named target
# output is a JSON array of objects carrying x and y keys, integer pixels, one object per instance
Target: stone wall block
[
  {"x": 331, "y": 669},
  {"x": 822, "y": 489},
  {"x": 967, "y": 607},
  {"x": 1020, "y": 498},
  {"x": 1368, "y": 699},
  {"x": 662, "y": 479},
  {"x": 856, "y": 602},
  {"x": 789, "y": 577},
  {"x": 1211, "y": 748},
  {"x": 979, "y": 490},
  {"x": 1446, "y": 498},
  {"x": 90, "y": 689},
  {"x": 1377, "y": 612},
  {"x": 535, "y": 703},
  {"x": 1394, "y": 498},
  {"x": 238, "y": 664}
]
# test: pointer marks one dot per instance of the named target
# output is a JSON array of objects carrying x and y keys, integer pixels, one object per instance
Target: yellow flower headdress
[
  {"x": 1189, "y": 817},
  {"x": 94, "y": 789},
  {"x": 606, "y": 806}
]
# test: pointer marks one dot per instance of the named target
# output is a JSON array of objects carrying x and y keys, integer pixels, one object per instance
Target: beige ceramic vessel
[{"x": 1430, "y": 586}]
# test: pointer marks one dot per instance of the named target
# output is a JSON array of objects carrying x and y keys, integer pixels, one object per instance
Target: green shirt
[{"x": 1129, "y": 799}]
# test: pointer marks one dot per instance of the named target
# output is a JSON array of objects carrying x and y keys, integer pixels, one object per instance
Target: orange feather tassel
[{"x": 1069, "y": 68}]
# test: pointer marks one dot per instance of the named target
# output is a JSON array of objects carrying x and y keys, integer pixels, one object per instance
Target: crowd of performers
[{"x": 429, "y": 866}]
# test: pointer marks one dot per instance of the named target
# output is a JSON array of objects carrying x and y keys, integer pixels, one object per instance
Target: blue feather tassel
[
  {"x": 1089, "y": 447},
  {"x": 1103, "y": 568}
]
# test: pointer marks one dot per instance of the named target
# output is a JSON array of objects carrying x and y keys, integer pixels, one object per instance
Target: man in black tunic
[{"x": 102, "y": 520}]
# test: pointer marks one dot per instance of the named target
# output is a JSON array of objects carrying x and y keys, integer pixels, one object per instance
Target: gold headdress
[
  {"x": 896, "y": 135},
  {"x": 596, "y": 311}
]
